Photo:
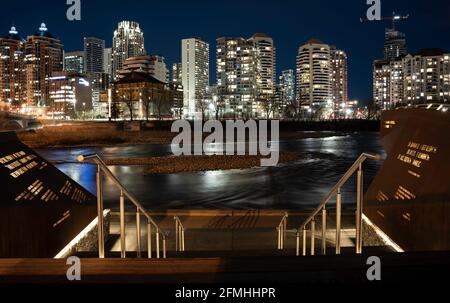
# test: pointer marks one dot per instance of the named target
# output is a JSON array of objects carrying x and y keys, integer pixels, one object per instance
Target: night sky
[{"x": 290, "y": 23}]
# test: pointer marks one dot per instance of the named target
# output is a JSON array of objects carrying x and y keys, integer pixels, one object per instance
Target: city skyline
[{"x": 339, "y": 25}]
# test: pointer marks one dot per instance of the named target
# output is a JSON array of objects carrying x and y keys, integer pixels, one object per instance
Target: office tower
[
  {"x": 177, "y": 76},
  {"x": 237, "y": 77},
  {"x": 153, "y": 65},
  {"x": 70, "y": 95},
  {"x": 314, "y": 75},
  {"x": 74, "y": 62},
  {"x": 339, "y": 77},
  {"x": 128, "y": 41},
  {"x": 107, "y": 61},
  {"x": 286, "y": 90},
  {"x": 394, "y": 44},
  {"x": 266, "y": 57},
  {"x": 93, "y": 55},
  {"x": 12, "y": 69},
  {"x": 195, "y": 75},
  {"x": 43, "y": 57}
]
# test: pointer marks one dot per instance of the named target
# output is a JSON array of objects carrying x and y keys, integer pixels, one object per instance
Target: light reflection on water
[{"x": 294, "y": 185}]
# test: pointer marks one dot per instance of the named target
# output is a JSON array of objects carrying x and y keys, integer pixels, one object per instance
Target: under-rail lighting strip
[{"x": 68, "y": 248}]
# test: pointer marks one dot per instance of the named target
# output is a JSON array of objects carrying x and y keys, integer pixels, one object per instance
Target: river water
[{"x": 296, "y": 185}]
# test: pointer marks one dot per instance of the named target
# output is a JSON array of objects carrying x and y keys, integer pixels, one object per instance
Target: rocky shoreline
[{"x": 178, "y": 164}]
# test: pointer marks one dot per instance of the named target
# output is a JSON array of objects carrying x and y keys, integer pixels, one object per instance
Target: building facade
[
  {"x": 286, "y": 91},
  {"x": 12, "y": 69},
  {"x": 43, "y": 57},
  {"x": 266, "y": 64},
  {"x": 94, "y": 55},
  {"x": 339, "y": 77},
  {"x": 195, "y": 75},
  {"x": 107, "y": 61},
  {"x": 237, "y": 77},
  {"x": 314, "y": 76},
  {"x": 394, "y": 45},
  {"x": 177, "y": 73},
  {"x": 70, "y": 96},
  {"x": 128, "y": 41},
  {"x": 74, "y": 62},
  {"x": 140, "y": 96},
  {"x": 421, "y": 78},
  {"x": 153, "y": 65}
]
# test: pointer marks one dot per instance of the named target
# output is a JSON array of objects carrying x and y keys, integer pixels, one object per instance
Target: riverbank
[
  {"x": 106, "y": 134},
  {"x": 171, "y": 165}
]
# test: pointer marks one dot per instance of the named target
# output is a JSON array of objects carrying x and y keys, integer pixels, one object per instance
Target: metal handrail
[
  {"x": 336, "y": 191},
  {"x": 102, "y": 167},
  {"x": 281, "y": 229},
  {"x": 179, "y": 235}
]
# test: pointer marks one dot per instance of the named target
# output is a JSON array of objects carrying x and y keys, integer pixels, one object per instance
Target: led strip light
[{"x": 63, "y": 253}]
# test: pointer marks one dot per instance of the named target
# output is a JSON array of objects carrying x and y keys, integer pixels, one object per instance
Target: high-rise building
[
  {"x": 43, "y": 57},
  {"x": 394, "y": 45},
  {"x": 128, "y": 41},
  {"x": 177, "y": 75},
  {"x": 414, "y": 79},
  {"x": 237, "y": 77},
  {"x": 12, "y": 69},
  {"x": 427, "y": 77},
  {"x": 286, "y": 90},
  {"x": 382, "y": 83},
  {"x": 93, "y": 55},
  {"x": 153, "y": 65},
  {"x": 266, "y": 63},
  {"x": 70, "y": 95},
  {"x": 107, "y": 61},
  {"x": 195, "y": 75},
  {"x": 314, "y": 75},
  {"x": 339, "y": 77},
  {"x": 74, "y": 62}
]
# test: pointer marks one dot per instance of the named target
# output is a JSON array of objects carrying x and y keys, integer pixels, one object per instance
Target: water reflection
[{"x": 292, "y": 186}]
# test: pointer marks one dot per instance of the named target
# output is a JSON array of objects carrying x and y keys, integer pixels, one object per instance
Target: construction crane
[{"x": 394, "y": 18}]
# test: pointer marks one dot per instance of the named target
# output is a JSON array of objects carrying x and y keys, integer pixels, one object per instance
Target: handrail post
[
  {"x": 182, "y": 240},
  {"x": 297, "y": 251},
  {"x": 157, "y": 244},
  {"x": 149, "y": 239},
  {"x": 338, "y": 221},
  {"x": 359, "y": 210},
  {"x": 279, "y": 237},
  {"x": 138, "y": 232},
  {"x": 100, "y": 227},
  {"x": 313, "y": 236},
  {"x": 177, "y": 230},
  {"x": 324, "y": 231},
  {"x": 285, "y": 229},
  {"x": 122, "y": 226},
  {"x": 304, "y": 241},
  {"x": 164, "y": 248}
]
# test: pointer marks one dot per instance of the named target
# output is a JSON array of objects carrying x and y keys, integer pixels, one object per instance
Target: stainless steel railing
[
  {"x": 281, "y": 229},
  {"x": 322, "y": 209},
  {"x": 179, "y": 235},
  {"x": 140, "y": 210}
]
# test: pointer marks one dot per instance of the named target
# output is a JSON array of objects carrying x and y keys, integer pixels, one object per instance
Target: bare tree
[{"x": 128, "y": 98}]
